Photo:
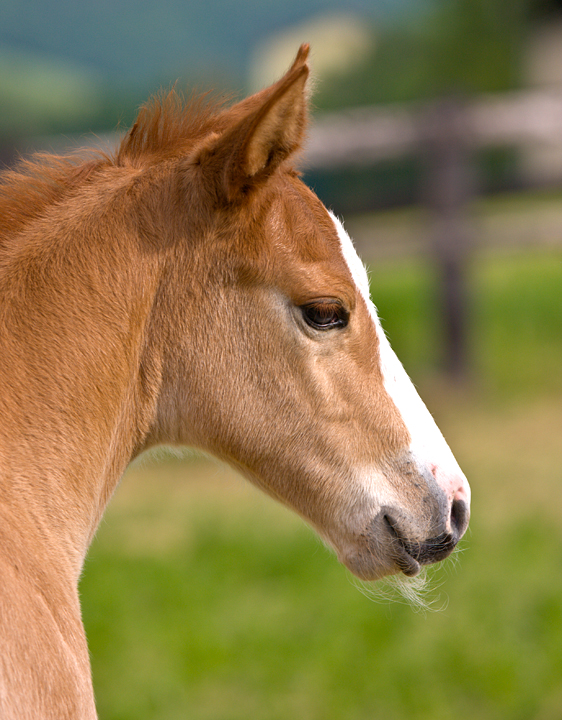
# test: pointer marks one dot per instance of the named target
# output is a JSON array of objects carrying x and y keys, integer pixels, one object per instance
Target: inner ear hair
[
  {"x": 279, "y": 127},
  {"x": 265, "y": 130}
]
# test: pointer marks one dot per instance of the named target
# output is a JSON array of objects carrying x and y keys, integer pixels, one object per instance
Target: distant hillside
[{"x": 144, "y": 41}]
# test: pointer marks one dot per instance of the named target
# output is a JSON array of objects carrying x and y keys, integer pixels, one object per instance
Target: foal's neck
[{"x": 80, "y": 376}]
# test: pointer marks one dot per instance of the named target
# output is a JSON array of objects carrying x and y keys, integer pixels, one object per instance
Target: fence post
[{"x": 449, "y": 186}]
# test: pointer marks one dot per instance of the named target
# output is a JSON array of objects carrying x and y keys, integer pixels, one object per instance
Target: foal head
[{"x": 273, "y": 357}]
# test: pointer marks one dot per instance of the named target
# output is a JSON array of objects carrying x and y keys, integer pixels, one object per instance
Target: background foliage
[{"x": 121, "y": 53}]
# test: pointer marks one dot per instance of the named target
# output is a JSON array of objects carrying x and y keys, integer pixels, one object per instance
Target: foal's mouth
[{"x": 410, "y": 555}]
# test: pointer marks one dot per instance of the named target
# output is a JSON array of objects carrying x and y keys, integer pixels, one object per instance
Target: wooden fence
[
  {"x": 446, "y": 135},
  {"x": 364, "y": 136}
]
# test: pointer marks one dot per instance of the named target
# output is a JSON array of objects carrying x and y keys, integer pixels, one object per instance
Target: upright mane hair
[
  {"x": 167, "y": 125},
  {"x": 165, "y": 128}
]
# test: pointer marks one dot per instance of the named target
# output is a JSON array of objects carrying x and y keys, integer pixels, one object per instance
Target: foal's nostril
[{"x": 459, "y": 518}]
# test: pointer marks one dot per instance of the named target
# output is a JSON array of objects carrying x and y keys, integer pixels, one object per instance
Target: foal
[{"x": 192, "y": 290}]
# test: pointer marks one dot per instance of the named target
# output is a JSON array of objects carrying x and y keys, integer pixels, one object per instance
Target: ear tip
[{"x": 302, "y": 56}]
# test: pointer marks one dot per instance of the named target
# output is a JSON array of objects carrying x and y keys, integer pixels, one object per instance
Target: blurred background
[{"x": 437, "y": 134}]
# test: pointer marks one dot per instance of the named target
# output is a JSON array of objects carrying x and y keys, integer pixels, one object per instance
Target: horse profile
[{"x": 190, "y": 289}]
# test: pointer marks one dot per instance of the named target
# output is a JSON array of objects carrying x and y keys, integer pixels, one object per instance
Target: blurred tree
[
  {"x": 540, "y": 9},
  {"x": 463, "y": 46},
  {"x": 38, "y": 95}
]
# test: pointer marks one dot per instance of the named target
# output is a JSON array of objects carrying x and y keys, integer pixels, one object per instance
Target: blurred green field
[{"x": 204, "y": 599}]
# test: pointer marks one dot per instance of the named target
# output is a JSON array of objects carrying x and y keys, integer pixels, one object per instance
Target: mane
[{"x": 166, "y": 126}]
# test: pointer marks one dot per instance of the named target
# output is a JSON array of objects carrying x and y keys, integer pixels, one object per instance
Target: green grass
[
  {"x": 515, "y": 325},
  {"x": 517, "y": 329},
  {"x": 205, "y": 599}
]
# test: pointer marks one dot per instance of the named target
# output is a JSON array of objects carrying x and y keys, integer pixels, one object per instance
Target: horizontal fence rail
[{"x": 363, "y": 136}]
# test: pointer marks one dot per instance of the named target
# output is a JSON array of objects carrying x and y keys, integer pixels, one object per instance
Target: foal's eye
[{"x": 325, "y": 314}]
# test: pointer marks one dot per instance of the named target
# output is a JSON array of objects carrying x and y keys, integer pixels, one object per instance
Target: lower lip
[{"x": 407, "y": 564}]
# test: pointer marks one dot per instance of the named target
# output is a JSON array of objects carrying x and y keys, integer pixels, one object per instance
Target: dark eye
[{"x": 325, "y": 314}]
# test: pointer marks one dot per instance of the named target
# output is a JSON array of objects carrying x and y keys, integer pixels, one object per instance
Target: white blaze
[{"x": 428, "y": 445}]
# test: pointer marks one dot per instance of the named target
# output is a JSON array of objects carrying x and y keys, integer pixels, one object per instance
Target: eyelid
[{"x": 330, "y": 309}]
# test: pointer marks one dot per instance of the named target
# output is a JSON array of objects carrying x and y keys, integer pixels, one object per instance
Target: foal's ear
[{"x": 268, "y": 127}]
